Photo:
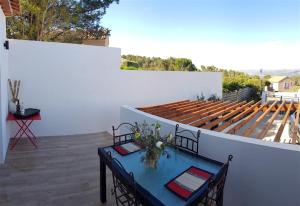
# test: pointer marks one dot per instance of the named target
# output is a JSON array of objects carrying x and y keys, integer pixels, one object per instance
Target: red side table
[{"x": 24, "y": 129}]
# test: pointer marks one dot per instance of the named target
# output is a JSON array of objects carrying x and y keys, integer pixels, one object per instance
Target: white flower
[{"x": 159, "y": 144}]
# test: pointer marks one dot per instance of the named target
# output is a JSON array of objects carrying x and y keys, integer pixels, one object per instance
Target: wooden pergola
[
  {"x": 10, "y": 7},
  {"x": 249, "y": 119}
]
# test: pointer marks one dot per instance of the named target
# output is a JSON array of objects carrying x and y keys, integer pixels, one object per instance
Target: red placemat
[
  {"x": 188, "y": 182},
  {"x": 127, "y": 148}
]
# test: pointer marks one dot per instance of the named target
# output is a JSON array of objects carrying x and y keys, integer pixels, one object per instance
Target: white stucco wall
[
  {"x": 80, "y": 88},
  {"x": 275, "y": 86},
  {"x": 4, "y": 139},
  {"x": 261, "y": 173}
]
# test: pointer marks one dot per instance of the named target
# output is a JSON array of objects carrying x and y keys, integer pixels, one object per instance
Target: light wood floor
[{"x": 63, "y": 171}]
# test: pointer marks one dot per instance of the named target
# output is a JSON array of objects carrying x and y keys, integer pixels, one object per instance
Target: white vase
[{"x": 12, "y": 107}]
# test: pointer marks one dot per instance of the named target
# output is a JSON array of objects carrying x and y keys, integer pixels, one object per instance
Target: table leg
[
  {"x": 23, "y": 128},
  {"x": 29, "y": 135},
  {"x": 28, "y": 129},
  {"x": 18, "y": 135},
  {"x": 102, "y": 180}
]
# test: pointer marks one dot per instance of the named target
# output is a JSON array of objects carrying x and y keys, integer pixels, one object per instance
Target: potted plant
[{"x": 152, "y": 143}]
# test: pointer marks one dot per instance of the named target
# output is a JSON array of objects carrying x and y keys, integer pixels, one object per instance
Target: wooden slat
[
  {"x": 157, "y": 106},
  {"x": 227, "y": 116},
  {"x": 172, "y": 109},
  {"x": 205, "y": 120},
  {"x": 198, "y": 112},
  {"x": 189, "y": 110},
  {"x": 282, "y": 125},
  {"x": 237, "y": 127},
  {"x": 200, "y": 115},
  {"x": 296, "y": 125},
  {"x": 267, "y": 126},
  {"x": 10, "y": 7},
  {"x": 177, "y": 111},
  {"x": 205, "y": 105},
  {"x": 237, "y": 118},
  {"x": 162, "y": 109},
  {"x": 187, "y": 106},
  {"x": 250, "y": 129}
]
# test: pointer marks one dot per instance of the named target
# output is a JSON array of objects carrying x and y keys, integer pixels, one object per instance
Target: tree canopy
[
  {"x": 134, "y": 62},
  {"x": 59, "y": 20}
]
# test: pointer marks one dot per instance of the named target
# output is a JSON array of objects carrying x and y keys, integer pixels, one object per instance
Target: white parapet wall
[
  {"x": 80, "y": 88},
  {"x": 4, "y": 134},
  {"x": 261, "y": 173}
]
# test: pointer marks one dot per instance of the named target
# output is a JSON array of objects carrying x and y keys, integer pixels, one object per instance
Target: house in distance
[{"x": 281, "y": 83}]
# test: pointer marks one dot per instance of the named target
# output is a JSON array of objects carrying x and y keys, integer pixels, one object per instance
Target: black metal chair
[
  {"x": 186, "y": 140},
  {"x": 124, "y": 133},
  {"x": 215, "y": 193},
  {"x": 124, "y": 188}
]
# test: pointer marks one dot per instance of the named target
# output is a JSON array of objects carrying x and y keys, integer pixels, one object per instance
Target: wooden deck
[
  {"x": 63, "y": 171},
  {"x": 232, "y": 117}
]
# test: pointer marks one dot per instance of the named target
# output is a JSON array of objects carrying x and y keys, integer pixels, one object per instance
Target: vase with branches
[
  {"x": 14, "y": 89},
  {"x": 153, "y": 144}
]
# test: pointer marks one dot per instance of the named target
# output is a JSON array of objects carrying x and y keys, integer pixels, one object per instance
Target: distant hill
[{"x": 282, "y": 72}]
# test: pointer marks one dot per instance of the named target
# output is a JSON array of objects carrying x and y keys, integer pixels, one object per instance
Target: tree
[
  {"x": 59, "y": 20},
  {"x": 157, "y": 63}
]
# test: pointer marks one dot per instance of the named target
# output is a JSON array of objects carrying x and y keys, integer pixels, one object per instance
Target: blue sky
[{"x": 237, "y": 34}]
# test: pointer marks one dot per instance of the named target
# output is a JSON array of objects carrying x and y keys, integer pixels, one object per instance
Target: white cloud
[{"x": 266, "y": 55}]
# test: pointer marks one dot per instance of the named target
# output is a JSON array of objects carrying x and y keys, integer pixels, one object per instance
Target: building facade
[{"x": 281, "y": 83}]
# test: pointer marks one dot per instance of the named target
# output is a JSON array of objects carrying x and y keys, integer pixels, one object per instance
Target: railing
[{"x": 288, "y": 96}]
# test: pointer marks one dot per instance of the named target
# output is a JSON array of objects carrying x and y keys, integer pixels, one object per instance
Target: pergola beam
[
  {"x": 200, "y": 115},
  {"x": 250, "y": 129},
  {"x": 164, "y": 109},
  {"x": 296, "y": 125},
  {"x": 237, "y": 127},
  {"x": 227, "y": 116},
  {"x": 189, "y": 110},
  {"x": 267, "y": 126},
  {"x": 10, "y": 7},
  {"x": 237, "y": 118},
  {"x": 196, "y": 113},
  {"x": 219, "y": 115},
  {"x": 282, "y": 125},
  {"x": 161, "y": 105},
  {"x": 206, "y": 119},
  {"x": 180, "y": 109},
  {"x": 170, "y": 110}
]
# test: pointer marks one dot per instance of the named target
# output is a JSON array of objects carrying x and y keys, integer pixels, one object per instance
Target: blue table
[{"x": 150, "y": 181}]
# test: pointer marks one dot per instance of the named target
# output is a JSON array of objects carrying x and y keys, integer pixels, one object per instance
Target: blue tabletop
[{"x": 153, "y": 180}]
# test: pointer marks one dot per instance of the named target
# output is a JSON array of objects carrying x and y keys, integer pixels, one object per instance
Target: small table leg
[
  {"x": 102, "y": 181},
  {"x": 23, "y": 129}
]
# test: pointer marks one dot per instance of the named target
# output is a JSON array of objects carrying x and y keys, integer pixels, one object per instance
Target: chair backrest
[
  {"x": 216, "y": 187},
  {"x": 124, "y": 185},
  {"x": 124, "y": 133},
  {"x": 187, "y": 140}
]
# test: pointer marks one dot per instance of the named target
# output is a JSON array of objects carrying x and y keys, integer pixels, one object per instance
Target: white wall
[
  {"x": 80, "y": 88},
  {"x": 3, "y": 89},
  {"x": 261, "y": 173},
  {"x": 275, "y": 86}
]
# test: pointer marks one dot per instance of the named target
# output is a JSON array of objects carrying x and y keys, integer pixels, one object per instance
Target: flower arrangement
[{"x": 149, "y": 138}]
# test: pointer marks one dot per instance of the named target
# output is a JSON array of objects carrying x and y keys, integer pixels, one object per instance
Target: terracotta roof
[
  {"x": 275, "y": 79},
  {"x": 10, "y": 7}
]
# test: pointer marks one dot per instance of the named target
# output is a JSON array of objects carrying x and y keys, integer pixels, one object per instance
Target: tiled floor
[{"x": 63, "y": 171}]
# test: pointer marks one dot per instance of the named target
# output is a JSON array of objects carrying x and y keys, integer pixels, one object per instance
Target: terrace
[{"x": 82, "y": 92}]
